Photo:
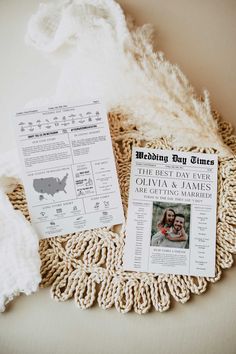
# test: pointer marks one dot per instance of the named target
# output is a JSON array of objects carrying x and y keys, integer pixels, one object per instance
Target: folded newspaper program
[
  {"x": 69, "y": 170},
  {"x": 171, "y": 226},
  {"x": 71, "y": 185}
]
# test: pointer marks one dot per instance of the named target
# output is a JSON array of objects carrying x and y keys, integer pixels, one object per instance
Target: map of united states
[{"x": 50, "y": 185}]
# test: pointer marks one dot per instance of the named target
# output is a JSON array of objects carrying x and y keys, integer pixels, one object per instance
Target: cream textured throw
[
  {"x": 19, "y": 259},
  {"x": 101, "y": 53}
]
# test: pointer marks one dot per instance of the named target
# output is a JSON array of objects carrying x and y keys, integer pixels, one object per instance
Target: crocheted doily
[{"x": 87, "y": 265}]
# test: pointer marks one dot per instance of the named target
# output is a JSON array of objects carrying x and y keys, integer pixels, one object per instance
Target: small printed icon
[
  {"x": 41, "y": 197},
  {"x": 88, "y": 114},
  {"x": 39, "y": 124},
  {"x": 96, "y": 206},
  {"x": 42, "y": 213},
  {"x": 106, "y": 203},
  {"x": 89, "y": 182},
  {"x": 59, "y": 210},
  {"x": 104, "y": 213},
  {"x": 52, "y": 223},
  {"x": 97, "y": 116},
  {"x": 75, "y": 208},
  {"x": 55, "y": 121}
]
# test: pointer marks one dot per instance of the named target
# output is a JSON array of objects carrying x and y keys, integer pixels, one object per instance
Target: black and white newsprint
[
  {"x": 69, "y": 170},
  {"x": 171, "y": 226}
]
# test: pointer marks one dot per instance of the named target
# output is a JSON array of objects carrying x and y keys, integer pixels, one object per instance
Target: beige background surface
[{"x": 200, "y": 37}]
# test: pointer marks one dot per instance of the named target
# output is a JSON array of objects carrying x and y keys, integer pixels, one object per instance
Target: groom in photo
[{"x": 175, "y": 237}]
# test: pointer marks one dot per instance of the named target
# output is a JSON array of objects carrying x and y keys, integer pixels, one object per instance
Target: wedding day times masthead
[{"x": 195, "y": 160}]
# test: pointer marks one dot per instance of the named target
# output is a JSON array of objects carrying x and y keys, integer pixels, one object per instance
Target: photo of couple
[{"x": 170, "y": 225}]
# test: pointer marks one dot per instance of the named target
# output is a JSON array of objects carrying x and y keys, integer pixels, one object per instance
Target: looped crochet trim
[{"x": 87, "y": 265}]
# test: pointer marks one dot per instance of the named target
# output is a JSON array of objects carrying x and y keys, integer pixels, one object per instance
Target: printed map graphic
[{"x": 50, "y": 185}]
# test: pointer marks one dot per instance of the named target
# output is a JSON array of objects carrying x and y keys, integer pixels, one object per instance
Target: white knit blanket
[
  {"x": 19, "y": 258},
  {"x": 100, "y": 54}
]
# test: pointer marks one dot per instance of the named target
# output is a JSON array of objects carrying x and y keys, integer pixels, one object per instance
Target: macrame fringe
[{"x": 87, "y": 265}]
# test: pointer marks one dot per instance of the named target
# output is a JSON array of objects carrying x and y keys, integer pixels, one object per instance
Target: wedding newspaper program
[
  {"x": 69, "y": 171},
  {"x": 171, "y": 226}
]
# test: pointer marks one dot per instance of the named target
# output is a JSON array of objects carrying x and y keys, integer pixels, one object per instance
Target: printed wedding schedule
[
  {"x": 171, "y": 226},
  {"x": 69, "y": 171}
]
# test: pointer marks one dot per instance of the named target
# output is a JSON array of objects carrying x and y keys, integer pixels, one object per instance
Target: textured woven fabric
[{"x": 87, "y": 266}]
